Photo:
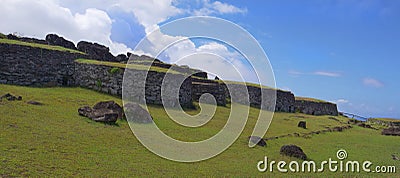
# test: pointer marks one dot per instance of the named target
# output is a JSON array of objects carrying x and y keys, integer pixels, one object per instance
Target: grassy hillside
[{"x": 53, "y": 140}]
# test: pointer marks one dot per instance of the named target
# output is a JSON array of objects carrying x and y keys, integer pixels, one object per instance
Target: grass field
[{"x": 53, "y": 140}]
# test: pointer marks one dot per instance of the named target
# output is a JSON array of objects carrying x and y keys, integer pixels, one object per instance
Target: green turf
[
  {"x": 53, "y": 140},
  {"x": 130, "y": 66},
  {"x": 36, "y": 45},
  {"x": 298, "y": 98}
]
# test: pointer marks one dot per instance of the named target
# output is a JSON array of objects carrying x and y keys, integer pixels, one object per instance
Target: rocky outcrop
[
  {"x": 96, "y": 51},
  {"x": 26, "y": 39},
  {"x": 55, "y": 40},
  {"x": 293, "y": 151},
  {"x": 316, "y": 108}
]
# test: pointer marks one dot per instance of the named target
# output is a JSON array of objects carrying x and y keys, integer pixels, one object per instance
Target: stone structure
[
  {"x": 55, "y": 40},
  {"x": 284, "y": 99},
  {"x": 316, "y": 107},
  {"x": 202, "y": 86},
  {"x": 32, "y": 66},
  {"x": 29, "y": 66},
  {"x": 108, "y": 80}
]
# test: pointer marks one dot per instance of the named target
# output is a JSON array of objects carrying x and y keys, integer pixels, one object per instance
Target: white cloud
[
  {"x": 38, "y": 18},
  {"x": 373, "y": 82},
  {"x": 211, "y": 57},
  {"x": 218, "y": 7},
  {"x": 327, "y": 74},
  {"x": 341, "y": 101}
]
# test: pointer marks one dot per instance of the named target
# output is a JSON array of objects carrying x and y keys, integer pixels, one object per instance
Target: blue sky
[{"x": 345, "y": 51}]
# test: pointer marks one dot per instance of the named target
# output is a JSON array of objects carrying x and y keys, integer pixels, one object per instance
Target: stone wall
[
  {"x": 202, "y": 86},
  {"x": 110, "y": 80},
  {"x": 316, "y": 108},
  {"x": 284, "y": 99},
  {"x": 29, "y": 66}
]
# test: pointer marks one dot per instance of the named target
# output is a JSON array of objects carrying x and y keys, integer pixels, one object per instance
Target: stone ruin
[{"x": 32, "y": 66}]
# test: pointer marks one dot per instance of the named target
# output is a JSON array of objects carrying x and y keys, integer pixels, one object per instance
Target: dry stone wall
[
  {"x": 110, "y": 80},
  {"x": 316, "y": 108},
  {"x": 29, "y": 66}
]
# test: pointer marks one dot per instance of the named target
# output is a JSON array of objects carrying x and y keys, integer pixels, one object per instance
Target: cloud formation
[
  {"x": 371, "y": 82},
  {"x": 327, "y": 74},
  {"x": 218, "y": 7}
]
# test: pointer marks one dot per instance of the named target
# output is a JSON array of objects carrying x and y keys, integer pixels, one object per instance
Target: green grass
[
  {"x": 247, "y": 84},
  {"x": 2, "y": 36},
  {"x": 310, "y": 99},
  {"x": 386, "y": 119},
  {"x": 36, "y": 45},
  {"x": 123, "y": 66},
  {"x": 53, "y": 140}
]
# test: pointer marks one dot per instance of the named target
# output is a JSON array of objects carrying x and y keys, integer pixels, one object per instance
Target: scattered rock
[
  {"x": 53, "y": 39},
  {"x": 11, "y": 97},
  {"x": 337, "y": 129},
  {"x": 293, "y": 151},
  {"x": 135, "y": 113},
  {"x": 365, "y": 125},
  {"x": 302, "y": 124},
  {"x": 394, "y": 157},
  {"x": 216, "y": 78},
  {"x": 394, "y": 131},
  {"x": 35, "y": 103},
  {"x": 105, "y": 111},
  {"x": 258, "y": 140}
]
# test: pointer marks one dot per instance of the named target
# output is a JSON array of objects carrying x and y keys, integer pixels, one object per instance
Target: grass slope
[
  {"x": 36, "y": 45},
  {"x": 53, "y": 140}
]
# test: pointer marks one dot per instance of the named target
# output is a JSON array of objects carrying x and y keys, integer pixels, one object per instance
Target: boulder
[
  {"x": 258, "y": 140},
  {"x": 121, "y": 58},
  {"x": 293, "y": 151},
  {"x": 135, "y": 113},
  {"x": 53, "y": 39},
  {"x": 394, "y": 131},
  {"x": 96, "y": 51},
  {"x": 216, "y": 78},
  {"x": 105, "y": 111},
  {"x": 110, "y": 105},
  {"x": 302, "y": 124}
]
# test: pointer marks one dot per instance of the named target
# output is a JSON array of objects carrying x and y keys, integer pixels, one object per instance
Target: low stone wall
[
  {"x": 284, "y": 100},
  {"x": 200, "y": 87},
  {"x": 29, "y": 66},
  {"x": 110, "y": 80},
  {"x": 316, "y": 108}
]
